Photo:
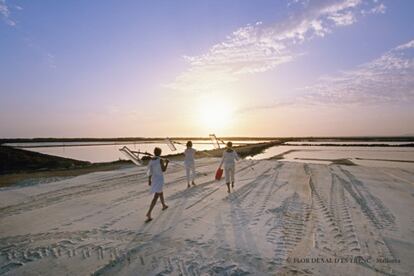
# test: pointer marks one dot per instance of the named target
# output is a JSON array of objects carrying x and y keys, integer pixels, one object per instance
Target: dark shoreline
[{"x": 17, "y": 165}]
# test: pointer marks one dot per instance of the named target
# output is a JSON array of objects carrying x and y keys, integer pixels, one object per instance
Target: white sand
[{"x": 281, "y": 217}]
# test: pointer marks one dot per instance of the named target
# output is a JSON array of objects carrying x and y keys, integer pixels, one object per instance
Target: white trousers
[
  {"x": 229, "y": 173},
  {"x": 190, "y": 172}
]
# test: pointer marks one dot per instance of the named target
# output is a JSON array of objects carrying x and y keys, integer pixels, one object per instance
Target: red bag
[{"x": 219, "y": 173}]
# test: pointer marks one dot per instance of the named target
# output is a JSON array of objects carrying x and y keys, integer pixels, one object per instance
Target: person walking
[
  {"x": 156, "y": 169},
  {"x": 229, "y": 160},
  {"x": 189, "y": 156}
]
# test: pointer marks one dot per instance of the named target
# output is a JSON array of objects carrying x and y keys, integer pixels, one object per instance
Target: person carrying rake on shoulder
[
  {"x": 229, "y": 160},
  {"x": 189, "y": 163},
  {"x": 156, "y": 169}
]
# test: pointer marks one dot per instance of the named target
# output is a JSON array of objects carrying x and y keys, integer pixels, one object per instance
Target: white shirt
[
  {"x": 229, "y": 158},
  {"x": 189, "y": 154},
  {"x": 157, "y": 176}
]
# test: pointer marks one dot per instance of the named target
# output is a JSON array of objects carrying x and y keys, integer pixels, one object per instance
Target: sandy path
[{"x": 281, "y": 217}]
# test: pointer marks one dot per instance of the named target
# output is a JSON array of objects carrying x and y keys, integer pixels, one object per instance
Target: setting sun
[{"x": 215, "y": 115}]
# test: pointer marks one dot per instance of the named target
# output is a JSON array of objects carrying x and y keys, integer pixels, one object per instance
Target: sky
[{"x": 190, "y": 68}]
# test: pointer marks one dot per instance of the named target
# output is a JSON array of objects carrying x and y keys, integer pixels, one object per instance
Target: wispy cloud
[
  {"x": 264, "y": 106},
  {"x": 261, "y": 47},
  {"x": 50, "y": 59},
  {"x": 6, "y": 14},
  {"x": 377, "y": 9},
  {"x": 387, "y": 79},
  {"x": 343, "y": 19}
]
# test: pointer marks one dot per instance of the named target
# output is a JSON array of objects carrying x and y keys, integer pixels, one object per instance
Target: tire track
[
  {"x": 273, "y": 187},
  {"x": 243, "y": 192},
  {"x": 379, "y": 218},
  {"x": 160, "y": 259},
  {"x": 329, "y": 236},
  {"x": 61, "y": 195},
  {"x": 342, "y": 216},
  {"x": 286, "y": 227},
  {"x": 100, "y": 243},
  {"x": 370, "y": 205}
]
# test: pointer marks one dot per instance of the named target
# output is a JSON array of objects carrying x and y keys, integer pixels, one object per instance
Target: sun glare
[{"x": 215, "y": 115}]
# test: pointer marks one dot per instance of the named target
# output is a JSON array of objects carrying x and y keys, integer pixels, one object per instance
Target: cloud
[
  {"x": 294, "y": 2},
  {"x": 264, "y": 106},
  {"x": 257, "y": 48},
  {"x": 343, "y": 19},
  {"x": 50, "y": 59},
  {"x": 407, "y": 45},
  {"x": 5, "y": 14},
  {"x": 387, "y": 79},
  {"x": 378, "y": 9}
]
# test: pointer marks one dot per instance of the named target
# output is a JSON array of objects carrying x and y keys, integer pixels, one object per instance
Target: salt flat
[{"x": 283, "y": 218}]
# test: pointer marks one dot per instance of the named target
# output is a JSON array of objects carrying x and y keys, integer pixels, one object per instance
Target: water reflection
[
  {"x": 109, "y": 151},
  {"x": 360, "y": 155}
]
